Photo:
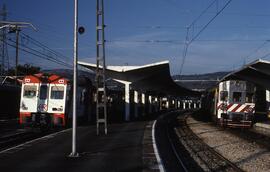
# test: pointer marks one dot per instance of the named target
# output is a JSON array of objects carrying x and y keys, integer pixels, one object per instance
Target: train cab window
[
  {"x": 57, "y": 92},
  {"x": 223, "y": 95},
  {"x": 249, "y": 98},
  {"x": 29, "y": 91},
  {"x": 43, "y": 92},
  {"x": 237, "y": 96}
]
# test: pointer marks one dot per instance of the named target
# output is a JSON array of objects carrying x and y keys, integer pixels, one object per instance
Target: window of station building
[
  {"x": 57, "y": 92},
  {"x": 29, "y": 91},
  {"x": 249, "y": 97},
  {"x": 223, "y": 95},
  {"x": 237, "y": 96},
  {"x": 43, "y": 92}
]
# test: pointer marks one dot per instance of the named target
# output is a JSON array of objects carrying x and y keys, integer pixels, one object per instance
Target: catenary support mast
[
  {"x": 101, "y": 98},
  {"x": 3, "y": 45}
]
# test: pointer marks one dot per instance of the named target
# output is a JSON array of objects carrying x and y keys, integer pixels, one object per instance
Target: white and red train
[
  {"x": 235, "y": 105},
  {"x": 232, "y": 103},
  {"x": 45, "y": 100}
]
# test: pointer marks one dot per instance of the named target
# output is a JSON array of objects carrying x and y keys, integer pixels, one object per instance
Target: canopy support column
[
  {"x": 149, "y": 104},
  {"x": 136, "y": 101}
]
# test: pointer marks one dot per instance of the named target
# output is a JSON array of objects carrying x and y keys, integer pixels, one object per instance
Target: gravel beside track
[
  {"x": 205, "y": 156},
  {"x": 243, "y": 151}
]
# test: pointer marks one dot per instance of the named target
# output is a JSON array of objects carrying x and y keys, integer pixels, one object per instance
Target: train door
[{"x": 43, "y": 98}]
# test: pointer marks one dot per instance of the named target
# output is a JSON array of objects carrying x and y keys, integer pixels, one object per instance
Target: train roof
[{"x": 45, "y": 78}]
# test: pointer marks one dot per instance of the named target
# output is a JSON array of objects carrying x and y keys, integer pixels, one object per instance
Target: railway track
[
  {"x": 209, "y": 159},
  {"x": 173, "y": 154},
  {"x": 15, "y": 138},
  {"x": 8, "y": 123},
  {"x": 18, "y": 137},
  {"x": 182, "y": 150}
]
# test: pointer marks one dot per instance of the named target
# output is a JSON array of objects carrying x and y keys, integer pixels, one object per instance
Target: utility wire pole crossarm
[
  {"x": 101, "y": 97},
  {"x": 16, "y": 28}
]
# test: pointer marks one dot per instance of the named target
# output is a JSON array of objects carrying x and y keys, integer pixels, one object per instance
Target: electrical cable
[
  {"x": 188, "y": 42},
  {"x": 54, "y": 59},
  {"x": 38, "y": 55}
]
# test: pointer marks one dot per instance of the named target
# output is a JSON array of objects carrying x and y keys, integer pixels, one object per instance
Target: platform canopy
[
  {"x": 257, "y": 72},
  {"x": 152, "y": 77}
]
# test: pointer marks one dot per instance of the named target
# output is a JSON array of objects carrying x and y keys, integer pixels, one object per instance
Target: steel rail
[
  {"x": 198, "y": 141},
  {"x": 175, "y": 151}
]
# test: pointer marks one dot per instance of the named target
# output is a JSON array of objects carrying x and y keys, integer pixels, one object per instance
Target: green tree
[{"x": 25, "y": 69}]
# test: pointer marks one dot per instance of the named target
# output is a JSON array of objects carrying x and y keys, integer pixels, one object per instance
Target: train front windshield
[
  {"x": 224, "y": 96},
  {"x": 57, "y": 92},
  {"x": 29, "y": 91},
  {"x": 237, "y": 97}
]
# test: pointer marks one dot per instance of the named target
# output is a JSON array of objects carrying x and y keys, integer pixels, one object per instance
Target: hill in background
[
  {"x": 199, "y": 82},
  {"x": 206, "y": 76}
]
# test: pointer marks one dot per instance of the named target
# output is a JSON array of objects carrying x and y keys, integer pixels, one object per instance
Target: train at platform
[
  {"x": 46, "y": 101},
  {"x": 232, "y": 103}
]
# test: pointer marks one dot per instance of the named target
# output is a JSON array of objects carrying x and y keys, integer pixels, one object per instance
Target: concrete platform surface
[
  {"x": 120, "y": 150},
  {"x": 265, "y": 124}
]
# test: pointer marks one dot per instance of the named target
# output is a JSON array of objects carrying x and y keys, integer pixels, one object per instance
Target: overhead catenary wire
[
  {"x": 38, "y": 54},
  {"x": 252, "y": 53},
  {"x": 211, "y": 20},
  {"x": 183, "y": 41},
  {"x": 41, "y": 45},
  {"x": 41, "y": 53},
  {"x": 189, "y": 41},
  {"x": 257, "y": 49}
]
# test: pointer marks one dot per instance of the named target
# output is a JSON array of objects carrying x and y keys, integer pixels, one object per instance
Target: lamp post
[{"x": 74, "y": 152}]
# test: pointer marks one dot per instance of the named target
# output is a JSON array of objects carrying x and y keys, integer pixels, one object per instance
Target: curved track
[
  {"x": 179, "y": 146},
  {"x": 173, "y": 154}
]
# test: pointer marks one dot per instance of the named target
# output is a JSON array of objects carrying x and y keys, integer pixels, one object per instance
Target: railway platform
[
  {"x": 262, "y": 127},
  {"x": 120, "y": 150},
  {"x": 265, "y": 125}
]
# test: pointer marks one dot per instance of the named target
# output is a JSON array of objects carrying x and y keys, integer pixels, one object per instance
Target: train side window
[
  {"x": 223, "y": 95},
  {"x": 57, "y": 92},
  {"x": 29, "y": 91},
  {"x": 249, "y": 98},
  {"x": 237, "y": 96},
  {"x": 43, "y": 92}
]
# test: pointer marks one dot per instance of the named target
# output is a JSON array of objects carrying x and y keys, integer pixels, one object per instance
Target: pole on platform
[
  {"x": 74, "y": 152},
  {"x": 17, "y": 54}
]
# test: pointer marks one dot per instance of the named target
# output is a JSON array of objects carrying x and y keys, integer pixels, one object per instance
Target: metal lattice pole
[
  {"x": 101, "y": 98},
  {"x": 3, "y": 45}
]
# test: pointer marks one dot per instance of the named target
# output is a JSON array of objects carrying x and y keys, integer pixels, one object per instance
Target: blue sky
[{"x": 147, "y": 31}]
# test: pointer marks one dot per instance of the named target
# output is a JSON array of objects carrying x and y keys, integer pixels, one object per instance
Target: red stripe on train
[
  {"x": 243, "y": 110},
  {"x": 235, "y": 109}
]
